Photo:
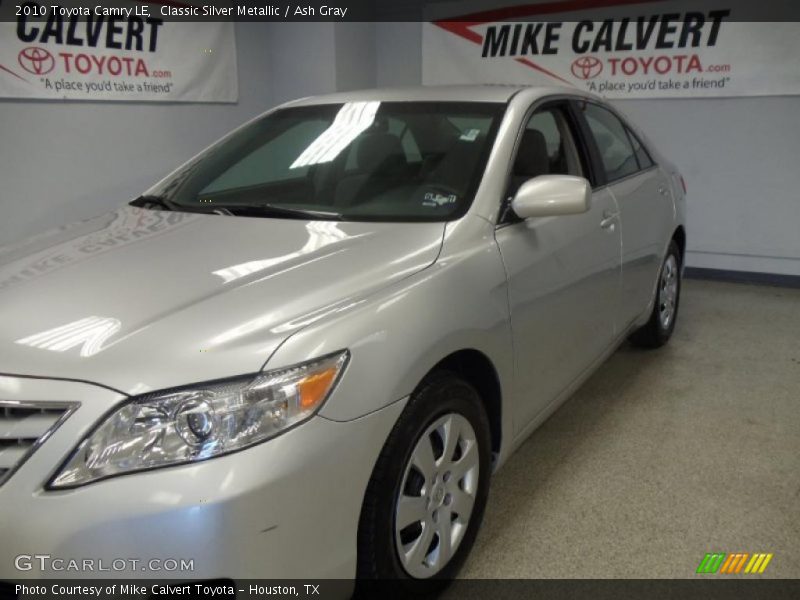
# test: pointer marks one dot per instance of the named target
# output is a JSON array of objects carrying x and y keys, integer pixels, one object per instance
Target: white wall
[
  {"x": 301, "y": 60},
  {"x": 355, "y": 56},
  {"x": 740, "y": 158},
  {"x": 398, "y": 53}
]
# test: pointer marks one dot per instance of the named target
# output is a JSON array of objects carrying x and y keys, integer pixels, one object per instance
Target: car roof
[{"x": 497, "y": 93}]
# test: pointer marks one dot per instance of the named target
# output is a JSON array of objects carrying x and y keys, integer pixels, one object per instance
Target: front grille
[{"x": 24, "y": 426}]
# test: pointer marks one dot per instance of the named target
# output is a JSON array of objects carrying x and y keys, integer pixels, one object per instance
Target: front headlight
[{"x": 202, "y": 421}]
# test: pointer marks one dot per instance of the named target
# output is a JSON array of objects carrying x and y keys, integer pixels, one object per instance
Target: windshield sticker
[
  {"x": 436, "y": 200},
  {"x": 470, "y": 135}
]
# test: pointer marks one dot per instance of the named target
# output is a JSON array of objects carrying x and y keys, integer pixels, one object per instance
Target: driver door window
[{"x": 545, "y": 148}]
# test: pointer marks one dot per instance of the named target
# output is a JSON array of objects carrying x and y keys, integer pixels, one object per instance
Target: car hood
[{"x": 139, "y": 299}]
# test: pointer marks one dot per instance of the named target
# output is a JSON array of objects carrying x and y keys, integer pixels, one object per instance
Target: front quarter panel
[{"x": 396, "y": 336}]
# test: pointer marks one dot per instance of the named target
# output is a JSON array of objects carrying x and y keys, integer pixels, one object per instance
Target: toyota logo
[
  {"x": 587, "y": 67},
  {"x": 36, "y": 60}
]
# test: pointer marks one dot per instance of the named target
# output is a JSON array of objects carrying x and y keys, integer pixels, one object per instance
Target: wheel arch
[
  {"x": 478, "y": 370},
  {"x": 679, "y": 237}
]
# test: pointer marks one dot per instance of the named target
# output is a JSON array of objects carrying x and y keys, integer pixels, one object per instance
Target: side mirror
[{"x": 550, "y": 195}]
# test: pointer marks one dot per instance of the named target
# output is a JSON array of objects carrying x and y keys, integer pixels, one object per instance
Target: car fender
[{"x": 397, "y": 335}]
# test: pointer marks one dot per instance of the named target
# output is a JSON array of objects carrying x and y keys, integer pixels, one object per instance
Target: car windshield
[{"x": 384, "y": 161}]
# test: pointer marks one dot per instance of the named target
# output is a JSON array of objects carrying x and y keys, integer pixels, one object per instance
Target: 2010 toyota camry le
[{"x": 304, "y": 353}]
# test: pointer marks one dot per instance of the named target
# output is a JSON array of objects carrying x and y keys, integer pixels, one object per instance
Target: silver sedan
[{"x": 303, "y": 353}]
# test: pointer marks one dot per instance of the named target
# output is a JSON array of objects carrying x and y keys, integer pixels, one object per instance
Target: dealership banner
[
  {"x": 114, "y": 51},
  {"x": 646, "y": 49}
]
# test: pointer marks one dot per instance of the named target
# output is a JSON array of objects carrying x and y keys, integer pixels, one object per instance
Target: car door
[
  {"x": 642, "y": 192},
  {"x": 563, "y": 271}
]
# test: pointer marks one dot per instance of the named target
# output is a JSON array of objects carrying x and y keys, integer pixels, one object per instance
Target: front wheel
[
  {"x": 426, "y": 498},
  {"x": 659, "y": 328}
]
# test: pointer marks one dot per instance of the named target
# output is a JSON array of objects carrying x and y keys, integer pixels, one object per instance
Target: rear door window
[
  {"x": 616, "y": 151},
  {"x": 642, "y": 156}
]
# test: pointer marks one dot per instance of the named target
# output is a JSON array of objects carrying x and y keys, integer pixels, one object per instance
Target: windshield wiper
[
  {"x": 231, "y": 209},
  {"x": 153, "y": 201},
  {"x": 161, "y": 203},
  {"x": 282, "y": 211}
]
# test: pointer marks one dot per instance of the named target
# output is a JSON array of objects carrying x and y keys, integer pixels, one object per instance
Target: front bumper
[{"x": 287, "y": 508}]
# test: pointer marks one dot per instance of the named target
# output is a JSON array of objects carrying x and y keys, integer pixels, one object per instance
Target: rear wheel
[
  {"x": 428, "y": 491},
  {"x": 659, "y": 328}
]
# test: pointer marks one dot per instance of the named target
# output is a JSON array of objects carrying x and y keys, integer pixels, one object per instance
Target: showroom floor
[{"x": 664, "y": 455}]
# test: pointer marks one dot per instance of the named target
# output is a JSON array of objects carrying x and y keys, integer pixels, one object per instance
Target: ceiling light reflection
[
  {"x": 320, "y": 234},
  {"x": 89, "y": 333},
  {"x": 351, "y": 120}
]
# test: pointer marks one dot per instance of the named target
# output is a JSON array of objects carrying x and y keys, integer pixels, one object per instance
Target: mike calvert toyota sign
[
  {"x": 646, "y": 49},
  {"x": 114, "y": 51}
]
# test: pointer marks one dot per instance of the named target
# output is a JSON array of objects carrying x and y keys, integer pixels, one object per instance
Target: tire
[
  {"x": 661, "y": 324},
  {"x": 442, "y": 405}
]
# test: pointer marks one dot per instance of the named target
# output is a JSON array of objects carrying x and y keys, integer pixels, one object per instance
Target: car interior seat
[
  {"x": 532, "y": 159},
  {"x": 380, "y": 163}
]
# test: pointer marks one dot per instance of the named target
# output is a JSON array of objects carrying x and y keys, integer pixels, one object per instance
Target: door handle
[
  {"x": 662, "y": 189},
  {"x": 609, "y": 219}
]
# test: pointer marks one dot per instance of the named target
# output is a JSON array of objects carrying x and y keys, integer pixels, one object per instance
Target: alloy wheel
[
  {"x": 436, "y": 498},
  {"x": 668, "y": 292}
]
